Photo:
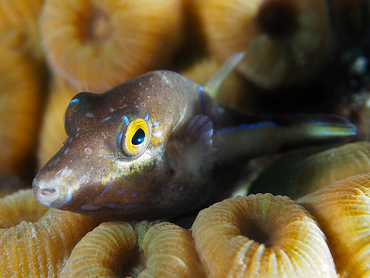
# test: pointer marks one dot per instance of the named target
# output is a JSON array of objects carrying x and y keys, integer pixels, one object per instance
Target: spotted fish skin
[{"x": 187, "y": 133}]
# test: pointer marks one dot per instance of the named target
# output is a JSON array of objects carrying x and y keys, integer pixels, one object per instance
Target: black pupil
[{"x": 139, "y": 137}]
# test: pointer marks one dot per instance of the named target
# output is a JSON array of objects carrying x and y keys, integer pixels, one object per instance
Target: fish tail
[
  {"x": 317, "y": 129},
  {"x": 257, "y": 136}
]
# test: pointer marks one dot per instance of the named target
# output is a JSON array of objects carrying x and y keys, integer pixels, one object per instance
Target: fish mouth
[{"x": 46, "y": 193}]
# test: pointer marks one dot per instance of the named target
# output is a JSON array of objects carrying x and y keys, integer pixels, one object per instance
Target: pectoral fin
[{"x": 191, "y": 153}]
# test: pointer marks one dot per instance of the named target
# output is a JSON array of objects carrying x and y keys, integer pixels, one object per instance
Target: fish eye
[
  {"x": 139, "y": 137},
  {"x": 135, "y": 138}
]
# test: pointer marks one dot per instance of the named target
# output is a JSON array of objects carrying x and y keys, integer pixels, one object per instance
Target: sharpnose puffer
[{"x": 145, "y": 149}]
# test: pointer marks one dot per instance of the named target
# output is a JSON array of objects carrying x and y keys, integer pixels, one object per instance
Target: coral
[
  {"x": 112, "y": 249},
  {"x": 18, "y": 207},
  {"x": 40, "y": 248},
  {"x": 19, "y": 26},
  {"x": 98, "y": 44},
  {"x": 342, "y": 210},
  {"x": 298, "y": 174},
  {"x": 20, "y": 112},
  {"x": 286, "y": 41},
  {"x": 264, "y": 235},
  {"x": 103, "y": 252},
  {"x": 93, "y": 45},
  {"x": 170, "y": 252}
]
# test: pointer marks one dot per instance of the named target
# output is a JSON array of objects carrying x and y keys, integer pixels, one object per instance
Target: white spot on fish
[
  {"x": 66, "y": 151},
  {"x": 89, "y": 115},
  {"x": 158, "y": 133},
  {"x": 56, "y": 161},
  {"x": 164, "y": 77},
  {"x": 106, "y": 119},
  {"x": 84, "y": 178},
  {"x": 69, "y": 194},
  {"x": 105, "y": 135},
  {"x": 65, "y": 172},
  {"x": 88, "y": 150}
]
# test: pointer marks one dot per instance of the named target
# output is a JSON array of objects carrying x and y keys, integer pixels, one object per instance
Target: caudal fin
[{"x": 251, "y": 136}]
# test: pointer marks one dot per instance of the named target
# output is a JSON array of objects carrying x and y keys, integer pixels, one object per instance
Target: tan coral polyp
[
  {"x": 112, "y": 249},
  {"x": 20, "y": 110},
  {"x": 170, "y": 252},
  {"x": 20, "y": 206},
  {"x": 40, "y": 248},
  {"x": 298, "y": 174},
  {"x": 343, "y": 211},
  {"x": 285, "y": 41},
  {"x": 261, "y": 236},
  {"x": 97, "y": 44},
  {"x": 19, "y": 23},
  {"x": 103, "y": 252}
]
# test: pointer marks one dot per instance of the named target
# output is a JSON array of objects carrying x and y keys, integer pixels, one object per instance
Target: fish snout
[{"x": 47, "y": 193}]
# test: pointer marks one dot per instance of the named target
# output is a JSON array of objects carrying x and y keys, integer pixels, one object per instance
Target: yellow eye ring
[{"x": 135, "y": 138}]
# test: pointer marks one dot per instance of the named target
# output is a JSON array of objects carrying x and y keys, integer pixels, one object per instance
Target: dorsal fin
[{"x": 214, "y": 83}]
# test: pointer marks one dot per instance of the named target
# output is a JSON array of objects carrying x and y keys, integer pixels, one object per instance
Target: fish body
[
  {"x": 95, "y": 173},
  {"x": 145, "y": 149}
]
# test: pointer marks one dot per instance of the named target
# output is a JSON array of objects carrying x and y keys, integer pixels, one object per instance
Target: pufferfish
[{"x": 145, "y": 149}]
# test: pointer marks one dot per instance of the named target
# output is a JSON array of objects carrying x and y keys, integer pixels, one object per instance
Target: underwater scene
[{"x": 185, "y": 138}]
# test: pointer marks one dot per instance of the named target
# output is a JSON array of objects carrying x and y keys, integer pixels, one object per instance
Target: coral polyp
[
  {"x": 98, "y": 44},
  {"x": 343, "y": 211},
  {"x": 286, "y": 42},
  {"x": 261, "y": 236}
]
